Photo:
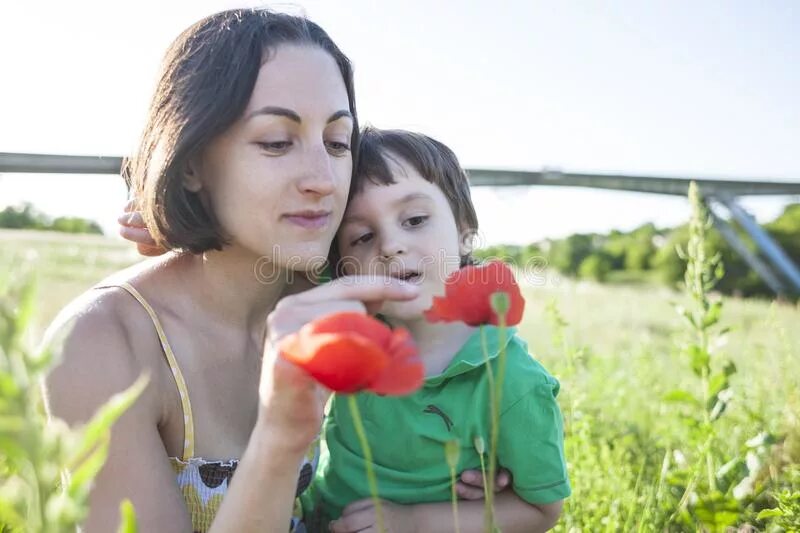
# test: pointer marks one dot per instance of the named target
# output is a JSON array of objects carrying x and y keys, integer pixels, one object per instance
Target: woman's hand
[
  {"x": 133, "y": 228},
  {"x": 291, "y": 402},
  {"x": 360, "y": 517},
  {"x": 470, "y": 483},
  {"x": 364, "y": 294}
]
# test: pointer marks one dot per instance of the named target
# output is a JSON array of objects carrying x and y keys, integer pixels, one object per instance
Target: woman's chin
[{"x": 305, "y": 257}]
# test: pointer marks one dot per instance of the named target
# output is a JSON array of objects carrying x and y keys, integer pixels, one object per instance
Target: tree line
[
  {"x": 26, "y": 216},
  {"x": 649, "y": 254}
]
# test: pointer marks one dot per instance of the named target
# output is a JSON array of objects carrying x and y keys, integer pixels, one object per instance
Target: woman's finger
[
  {"x": 502, "y": 480},
  {"x": 131, "y": 219},
  {"x": 288, "y": 319},
  {"x": 307, "y": 313},
  {"x": 357, "y": 505},
  {"x": 361, "y": 288},
  {"x": 474, "y": 478},
  {"x": 137, "y": 235},
  {"x": 149, "y": 250},
  {"x": 469, "y": 492}
]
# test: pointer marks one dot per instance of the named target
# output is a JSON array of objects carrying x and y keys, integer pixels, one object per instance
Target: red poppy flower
[
  {"x": 468, "y": 293},
  {"x": 349, "y": 352}
]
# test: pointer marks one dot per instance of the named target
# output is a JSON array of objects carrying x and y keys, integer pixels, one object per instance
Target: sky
[{"x": 666, "y": 88}]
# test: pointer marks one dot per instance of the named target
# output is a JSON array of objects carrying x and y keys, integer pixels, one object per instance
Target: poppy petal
[
  {"x": 405, "y": 372},
  {"x": 440, "y": 311},
  {"x": 351, "y": 321},
  {"x": 468, "y": 294},
  {"x": 343, "y": 362}
]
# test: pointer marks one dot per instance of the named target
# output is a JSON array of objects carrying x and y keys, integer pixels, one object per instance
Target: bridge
[{"x": 769, "y": 260}]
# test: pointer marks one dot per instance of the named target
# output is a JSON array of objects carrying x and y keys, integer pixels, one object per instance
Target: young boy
[{"x": 410, "y": 216}]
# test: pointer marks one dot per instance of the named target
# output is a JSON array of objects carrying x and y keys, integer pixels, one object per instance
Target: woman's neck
[
  {"x": 437, "y": 343},
  {"x": 234, "y": 287}
]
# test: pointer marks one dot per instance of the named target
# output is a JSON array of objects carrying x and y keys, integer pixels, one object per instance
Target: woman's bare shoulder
[
  {"x": 96, "y": 341},
  {"x": 107, "y": 312}
]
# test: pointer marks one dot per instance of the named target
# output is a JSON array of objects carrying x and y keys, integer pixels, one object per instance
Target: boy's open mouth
[{"x": 408, "y": 275}]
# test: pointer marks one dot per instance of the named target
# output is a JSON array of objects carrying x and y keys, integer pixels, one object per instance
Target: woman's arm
[
  {"x": 262, "y": 492},
  {"x": 290, "y": 411},
  {"x": 97, "y": 361},
  {"x": 512, "y": 514}
]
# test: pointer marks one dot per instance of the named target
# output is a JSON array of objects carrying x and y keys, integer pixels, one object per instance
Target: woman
[{"x": 244, "y": 167}]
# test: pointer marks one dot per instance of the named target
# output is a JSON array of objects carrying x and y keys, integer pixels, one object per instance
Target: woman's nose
[{"x": 319, "y": 176}]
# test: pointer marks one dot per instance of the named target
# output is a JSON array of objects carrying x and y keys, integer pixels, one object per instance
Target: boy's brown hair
[{"x": 433, "y": 160}]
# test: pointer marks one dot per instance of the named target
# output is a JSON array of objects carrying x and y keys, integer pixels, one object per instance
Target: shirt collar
[{"x": 471, "y": 354}]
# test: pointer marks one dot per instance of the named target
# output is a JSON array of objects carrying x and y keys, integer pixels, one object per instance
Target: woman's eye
[
  {"x": 365, "y": 238},
  {"x": 337, "y": 148},
  {"x": 276, "y": 146},
  {"x": 416, "y": 221}
]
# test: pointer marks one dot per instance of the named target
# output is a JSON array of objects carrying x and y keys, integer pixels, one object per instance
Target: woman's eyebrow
[
  {"x": 342, "y": 113},
  {"x": 273, "y": 110},
  {"x": 293, "y": 116}
]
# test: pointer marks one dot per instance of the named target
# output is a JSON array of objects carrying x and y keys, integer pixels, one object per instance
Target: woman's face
[{"x": 277, "y": 180}]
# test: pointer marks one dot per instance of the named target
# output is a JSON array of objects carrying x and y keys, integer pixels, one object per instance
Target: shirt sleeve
[{"x": 531, "y": 442}]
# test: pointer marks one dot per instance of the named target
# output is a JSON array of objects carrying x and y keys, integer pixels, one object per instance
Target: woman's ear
[{"x": 191, "y": 178}]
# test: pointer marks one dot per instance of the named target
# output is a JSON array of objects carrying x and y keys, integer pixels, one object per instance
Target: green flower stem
[
  {"x": 488, "y": 515},
  {"x": 483, "y": 470},
  {"x": 454, "y": 498},
  {"x": 371, "y": 479},
  {"x": 498, "y": 395},
  {"x": 452, "y": 453}
]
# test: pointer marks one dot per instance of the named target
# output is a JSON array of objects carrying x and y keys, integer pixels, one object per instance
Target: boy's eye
[
  {"x": 365, "y": 238},
  {"x": 337, "y": 148},
  {"x": 415, "y": 221},
  {"x": 275, "y": 147}
]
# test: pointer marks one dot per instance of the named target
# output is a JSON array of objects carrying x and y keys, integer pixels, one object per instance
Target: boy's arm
[{"x": 513, "y": 514}]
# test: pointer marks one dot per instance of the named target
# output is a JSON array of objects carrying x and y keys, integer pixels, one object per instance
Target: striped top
[{"x": 203, "y": 482}]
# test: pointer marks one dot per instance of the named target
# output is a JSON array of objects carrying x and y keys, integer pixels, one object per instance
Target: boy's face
[{"x": 404, "y": 230}]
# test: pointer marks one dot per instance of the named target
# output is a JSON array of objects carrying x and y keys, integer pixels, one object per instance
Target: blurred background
[{"x": 692, "y": 90}]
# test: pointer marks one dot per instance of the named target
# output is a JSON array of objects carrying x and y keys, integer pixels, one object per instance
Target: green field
[{"x": 617, "y": 351}]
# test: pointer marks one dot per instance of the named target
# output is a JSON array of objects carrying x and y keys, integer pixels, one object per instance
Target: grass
[
  {"x": 616, "y": 350},
  {"x": 64, "y": 265}
]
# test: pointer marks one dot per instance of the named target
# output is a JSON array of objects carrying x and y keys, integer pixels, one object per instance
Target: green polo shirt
[{"x": 407, "y": 434}]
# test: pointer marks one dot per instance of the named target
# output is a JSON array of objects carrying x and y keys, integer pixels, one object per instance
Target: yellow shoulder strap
[{"x": 188, "y": 422}]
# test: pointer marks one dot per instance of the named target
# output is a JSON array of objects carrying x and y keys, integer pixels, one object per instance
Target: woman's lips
[{"x": 309, "y": 220}]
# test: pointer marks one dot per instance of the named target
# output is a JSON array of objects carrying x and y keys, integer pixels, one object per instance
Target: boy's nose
[{"x": 392, "y": 248}]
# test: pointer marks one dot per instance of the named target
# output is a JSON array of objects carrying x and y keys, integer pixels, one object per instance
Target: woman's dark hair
[{"x": 206, "y": 81}]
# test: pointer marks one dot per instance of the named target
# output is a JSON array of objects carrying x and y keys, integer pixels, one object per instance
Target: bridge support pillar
[{"x": 771, "y": 250}]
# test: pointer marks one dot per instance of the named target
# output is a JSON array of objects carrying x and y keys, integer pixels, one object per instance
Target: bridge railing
[{"x": 772, "y": 264}]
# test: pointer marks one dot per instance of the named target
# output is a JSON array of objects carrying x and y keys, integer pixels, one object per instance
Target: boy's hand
[
  {"x": 359, "y": 516},
  {"x": 132, "y": 228},
  {"x": 470, "y": 484}
]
